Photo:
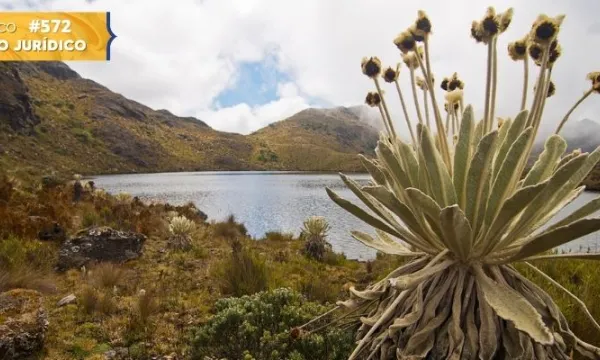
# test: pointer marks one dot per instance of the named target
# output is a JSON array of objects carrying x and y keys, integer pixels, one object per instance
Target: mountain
[
  {"x": 53, "y": 119},
  {"x": 318, "y": 139}
]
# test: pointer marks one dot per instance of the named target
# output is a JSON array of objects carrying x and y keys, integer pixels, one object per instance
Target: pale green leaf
[
  {"x": 355, "y": 188},
  {"x": 502, "y": 133},
  {"x": 439, "y": 177},
  {"x": 393, "y": 164},
  {"x": 429, "y": 207},
  {"x": 387, "y": 198},
  {"x": 510, "y": 209},
  {"x": 411, "y": 280},
  {"x": 478, "y": 179},
  {"x": 516, "y": 128},
  {"x": 385, "y": 245},
  {"x": 554, "y": 148},
  {"x": 374, "y": 170},
  {"x": 537, "y": 207},
  {"x": 361, "y": 214},
  {"x": 556, "y": 237},
  {"x": 506, "y": 176},
  {"x": 457, "y": 231},
  {"x": 407, "y": 154},
  {"x": 511, "y": 306},
  {"x": 579, "y": 256},
  {"x": 462, "y": 155},
  {"x": 587, "y": 209}
]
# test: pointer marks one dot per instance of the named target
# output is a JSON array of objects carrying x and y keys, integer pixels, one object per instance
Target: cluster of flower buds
[
  {"x": 410, "y": 59},
  {"x": 455, "y": 106},
  {"x": 371, "y": 66},
  {"x": 390, "y": 74},
  {"x": 517, "y": 50},
  {"x": 452, "y": 83},
  {"x": 422, "y": 84},
  {"x": 551, "y": 89},
  {"x": 491, "y": 25},
  {"x": 536, "y": 51},
  {"x": 594, "y": 77},
  {"x": 407, "y": 40},
  {"x": 373, "y": 99}
]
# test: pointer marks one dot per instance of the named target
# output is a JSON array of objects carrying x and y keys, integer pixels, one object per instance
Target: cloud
[{"x": 184, "y": 57}]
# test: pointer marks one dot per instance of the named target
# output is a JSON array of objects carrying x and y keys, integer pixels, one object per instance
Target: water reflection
[{"x": 274, "y": 201}]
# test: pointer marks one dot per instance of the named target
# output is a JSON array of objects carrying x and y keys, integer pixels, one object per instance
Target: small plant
[
  {"x": 243, "y": 273},
  {"x": 146, "y": 305},
  {"x": 124, "y": 198},
  {"x": 278, "y": 236},
  {"x": 229, "y": 229},
  {"x": 460, "y": 204},
  {"x": 181, "y": 229},
  {"x": 264, "y": 326},
  {"x": 26, "y": 278},
  {"x": 107, "y": 275},
  {"x": 314, "y": 234}
]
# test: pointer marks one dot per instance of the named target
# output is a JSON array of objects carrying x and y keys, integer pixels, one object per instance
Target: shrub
[
  {"x": 107, "y": 275},
  {"x": 26, "y": 279},
  {"x": 314, "y": 233},
  {"x": 278, "y": 236},
  {"x": 243, "y": 273},
  {"x": 94, "y": 301},
  {"x": 260, "y": 327},
  {"x": 181, "y": 229},
  {"x": 229, "y": 229}
]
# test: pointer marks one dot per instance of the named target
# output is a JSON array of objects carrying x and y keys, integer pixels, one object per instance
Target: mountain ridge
[{"x": 52, "y": 119}]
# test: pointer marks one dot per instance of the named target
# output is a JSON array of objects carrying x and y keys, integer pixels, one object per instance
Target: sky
[{"x": 239, "y": 65}]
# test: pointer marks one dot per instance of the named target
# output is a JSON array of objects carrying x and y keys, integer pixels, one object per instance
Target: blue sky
[{"x": 256, "y": 84}]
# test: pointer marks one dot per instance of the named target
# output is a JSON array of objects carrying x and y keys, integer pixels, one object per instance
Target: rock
[
  {"x": 69, "y": 299},
  {"x": 55, "y": 232},
  {"x": 16, "y": 109},
  {"x": 23, "y": 323},
  {"x": 100, "y": 244}
]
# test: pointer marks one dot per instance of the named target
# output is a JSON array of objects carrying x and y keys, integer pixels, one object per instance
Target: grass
[{"x": 182, "y": 287}]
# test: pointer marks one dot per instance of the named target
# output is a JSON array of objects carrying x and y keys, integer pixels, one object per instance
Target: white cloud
[{"x": 319, "y": 44}]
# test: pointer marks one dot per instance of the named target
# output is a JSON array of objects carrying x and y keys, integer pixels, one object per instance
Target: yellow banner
[{"x": 55, "y": 36}]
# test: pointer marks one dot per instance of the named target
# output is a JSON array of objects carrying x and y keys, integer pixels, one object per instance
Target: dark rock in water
[
  {"x": 55, "y": 232},
  {"x": 100, "y": 244},
  {"x": 23, "y": 323}
]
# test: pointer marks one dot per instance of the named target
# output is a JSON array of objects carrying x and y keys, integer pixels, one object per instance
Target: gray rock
[
  {"x": 69, "y": 299},
  {"x": 98, "y": 244},
  {"x": 23, "y": 325}
]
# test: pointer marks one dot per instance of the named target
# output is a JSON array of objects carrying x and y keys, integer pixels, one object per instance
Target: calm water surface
[{"x": 274, "y": 201}]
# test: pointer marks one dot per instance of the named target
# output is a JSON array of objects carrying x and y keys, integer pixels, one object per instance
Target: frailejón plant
[{"x": 461, "y": 204}]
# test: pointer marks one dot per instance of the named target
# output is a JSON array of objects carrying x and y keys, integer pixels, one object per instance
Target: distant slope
[
  {"x": 317, "y": 139},
  {"x": 53, "y": 119}
]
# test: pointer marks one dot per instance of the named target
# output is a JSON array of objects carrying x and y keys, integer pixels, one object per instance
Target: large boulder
[
  {"x": 99, "y": 244},
  {"x": 23, "y": 323}
]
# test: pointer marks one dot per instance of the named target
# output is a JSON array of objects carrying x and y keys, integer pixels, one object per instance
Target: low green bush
[{"x": 261, "y": 327}]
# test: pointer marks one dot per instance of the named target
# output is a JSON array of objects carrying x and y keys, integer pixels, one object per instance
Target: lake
[{"x": 275, "y": 201}]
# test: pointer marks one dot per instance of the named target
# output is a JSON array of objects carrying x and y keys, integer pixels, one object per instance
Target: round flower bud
[
  {"x": 390, "y": 75},
  {"x": 371, "y": 66},
  {"x": 405, "y": 42},
  {"x": 545, "y": 29}
]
